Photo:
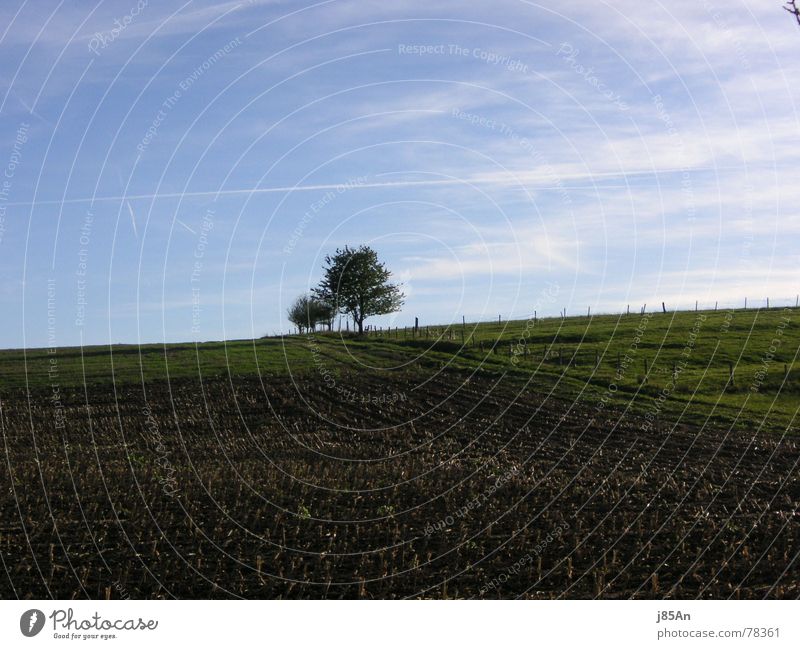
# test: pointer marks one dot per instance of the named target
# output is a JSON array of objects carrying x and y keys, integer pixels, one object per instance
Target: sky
[{"x": 177, "y": 171}]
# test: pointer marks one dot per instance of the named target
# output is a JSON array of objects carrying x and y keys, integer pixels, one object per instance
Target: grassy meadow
[{"x": 736, "y": 368}]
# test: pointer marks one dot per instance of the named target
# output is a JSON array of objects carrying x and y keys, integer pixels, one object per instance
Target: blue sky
[{"x": 178, "y": 171}]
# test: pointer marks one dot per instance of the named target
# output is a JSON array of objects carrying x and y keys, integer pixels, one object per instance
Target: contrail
[
  {"x": 186, "y": 226},
  {"x": 30, "y": 110},
  {"x": 501, "y": 178},
  {"x": 133, "y": 219},
  {"x": 233, "y": 192}
]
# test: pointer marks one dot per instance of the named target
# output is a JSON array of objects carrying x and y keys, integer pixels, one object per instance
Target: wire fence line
[{"x": 423, "y": 330}]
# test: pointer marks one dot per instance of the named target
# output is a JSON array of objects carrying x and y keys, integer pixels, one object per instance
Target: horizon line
[{"x": 281, "y": 335}]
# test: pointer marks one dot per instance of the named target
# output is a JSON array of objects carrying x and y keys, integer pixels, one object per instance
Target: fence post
[{"x": 663, "y": 307}]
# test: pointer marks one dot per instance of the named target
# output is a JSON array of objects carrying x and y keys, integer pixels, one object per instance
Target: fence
[{"x": 418, "y": 331}]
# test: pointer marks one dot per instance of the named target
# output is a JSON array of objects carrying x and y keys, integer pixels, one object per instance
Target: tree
[
  {"x": 308, "y": 311},
  {"x": 299, "y": 312},
  {"x": 793, "y": 9},
  {"x": 356, "y": 283},
  {"x": 321, "y": 312}
]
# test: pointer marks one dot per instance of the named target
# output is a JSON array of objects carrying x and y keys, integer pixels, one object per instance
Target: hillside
[{"x": 734, "y": 367}]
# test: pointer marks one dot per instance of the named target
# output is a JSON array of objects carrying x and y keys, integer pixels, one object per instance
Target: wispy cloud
[{"x": 474, "y": 174}]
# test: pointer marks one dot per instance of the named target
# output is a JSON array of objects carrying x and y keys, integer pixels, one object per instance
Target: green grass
[{"x": 702, "y": 390}]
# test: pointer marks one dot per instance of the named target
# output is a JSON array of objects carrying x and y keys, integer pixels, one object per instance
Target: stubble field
[{"x": 421, "y": 473}]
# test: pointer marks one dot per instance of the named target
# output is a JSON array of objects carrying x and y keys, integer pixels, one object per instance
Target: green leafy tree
[
  {"x": 357, "y": 283},
  {"x": 308, "y": 311},
  {"x": 298, "y": 313},
  {"x": 320, "y": 312}
]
